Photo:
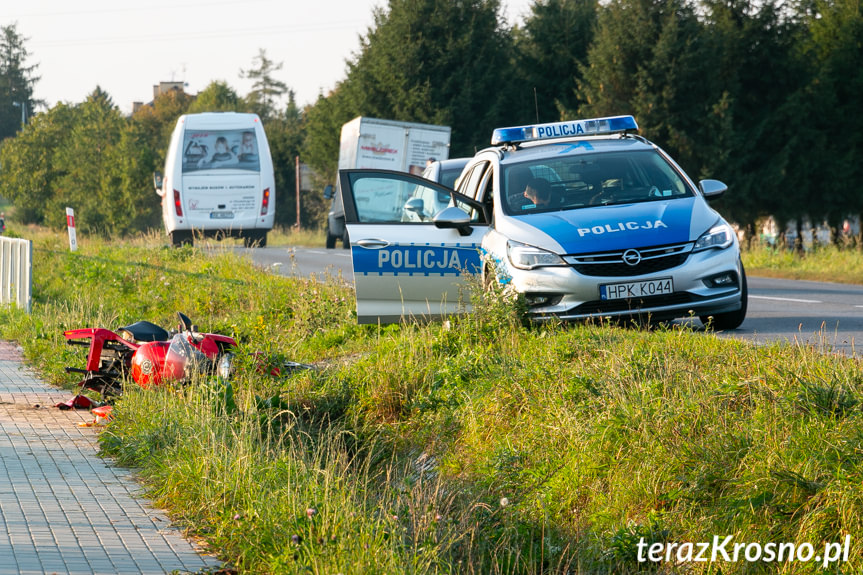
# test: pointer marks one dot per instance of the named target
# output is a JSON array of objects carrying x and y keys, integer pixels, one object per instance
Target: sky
[{"x": 128, "y": 47}]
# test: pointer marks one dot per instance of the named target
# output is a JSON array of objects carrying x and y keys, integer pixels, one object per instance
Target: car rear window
[{"x": 220, "y": 150}]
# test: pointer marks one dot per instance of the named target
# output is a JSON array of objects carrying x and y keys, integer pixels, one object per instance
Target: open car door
[{"x": 413, "y": 244}]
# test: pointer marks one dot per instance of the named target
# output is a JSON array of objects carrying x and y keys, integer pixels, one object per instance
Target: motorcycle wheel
[{"x": 105, "y": 387}]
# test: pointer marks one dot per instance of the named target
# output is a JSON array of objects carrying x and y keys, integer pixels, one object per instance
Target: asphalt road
[
  {"x": 826, "y": 315},
  {"x": 304, "y": 262}
]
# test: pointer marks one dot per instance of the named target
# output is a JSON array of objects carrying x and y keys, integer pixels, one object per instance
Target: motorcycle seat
[{"x": 144, "y": 331}]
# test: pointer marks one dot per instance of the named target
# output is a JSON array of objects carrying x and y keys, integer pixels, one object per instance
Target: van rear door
[
  {"x": 222, "y": 196},
  {"x": 221, "y": 177}
]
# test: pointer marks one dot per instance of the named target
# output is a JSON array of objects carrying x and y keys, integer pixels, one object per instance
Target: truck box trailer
[{"x": 384, "y": 144}]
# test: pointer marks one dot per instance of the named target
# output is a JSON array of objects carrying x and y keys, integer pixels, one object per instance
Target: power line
[
  {"x": 149, "y": 8},
  {"x": 231, "y": 33}
]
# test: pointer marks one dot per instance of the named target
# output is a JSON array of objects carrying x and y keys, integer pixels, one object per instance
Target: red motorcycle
[{"x": 149, "y": 354}]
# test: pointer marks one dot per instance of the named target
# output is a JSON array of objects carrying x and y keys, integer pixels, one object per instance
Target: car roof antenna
[{"x": 536, "y": 104}]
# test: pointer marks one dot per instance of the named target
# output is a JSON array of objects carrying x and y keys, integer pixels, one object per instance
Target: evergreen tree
[
  {"x": 266, "y": 90},
  {"x": 833, "y": 97},
  {"x": 323, "y": 123},
  {"x": 551, "y": 52},
  {"x": 707, "y": 89},
  {"x": 650, "y": 59},
  {"x": 438, "y": 62},
  {"x": 755, "y": 67},
  {"x": 87, "y": 161},
  {"x": 16, "y": 82},
  {"x": 627, "y": 31}
]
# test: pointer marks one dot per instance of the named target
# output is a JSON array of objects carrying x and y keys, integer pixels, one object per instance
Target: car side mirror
[
  {"x": 712, "y": 189},
  {"x": 328, "y": 192},
  {"x": 453, "y": 218},
  {"x": 157, "y": 182},
  {"x": 415, "y": 205}
]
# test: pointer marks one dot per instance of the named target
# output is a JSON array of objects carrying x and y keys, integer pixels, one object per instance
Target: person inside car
[{"x": 538, "y": 192}]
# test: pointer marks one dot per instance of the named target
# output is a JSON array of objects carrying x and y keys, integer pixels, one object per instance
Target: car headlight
[
  {"x": 526, "y": 257},
  {"x": 719, "y": 237}
]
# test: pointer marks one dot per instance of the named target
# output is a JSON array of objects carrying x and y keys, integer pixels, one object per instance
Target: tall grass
[
  {"x": 477, "y": 445},
  {"x": 821, "y": 263},
  {"x": 291, "y": 236}
]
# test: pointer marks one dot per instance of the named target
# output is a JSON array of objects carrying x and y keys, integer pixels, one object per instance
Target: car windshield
[{"x": 584, "y": 180}]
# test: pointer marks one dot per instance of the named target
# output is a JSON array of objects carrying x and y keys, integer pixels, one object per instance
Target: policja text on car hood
[{"x": 613, "y": 227}]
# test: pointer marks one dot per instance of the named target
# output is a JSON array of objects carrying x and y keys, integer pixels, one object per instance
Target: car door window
[
  {"x": 389, "y": 197},
  {"x": 474, "y": 186},
  {"x": 470, "y": 184},
  {"x": 380, "y": 200},
  {"x": 386, "y": 197}
]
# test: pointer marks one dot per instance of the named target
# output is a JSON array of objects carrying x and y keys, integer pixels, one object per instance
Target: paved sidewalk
[{"x": 62, "y": 508}]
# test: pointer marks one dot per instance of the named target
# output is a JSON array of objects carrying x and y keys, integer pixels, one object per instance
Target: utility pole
[{"x": 298, "y": 191}]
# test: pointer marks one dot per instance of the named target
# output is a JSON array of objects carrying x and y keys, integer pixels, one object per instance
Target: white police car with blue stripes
[{"x": 584, "y": 218}]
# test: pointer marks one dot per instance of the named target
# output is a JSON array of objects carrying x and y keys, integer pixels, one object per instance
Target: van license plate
[
  {"x": 221, "y": 215},
  {"x": 632, "y": 290}
]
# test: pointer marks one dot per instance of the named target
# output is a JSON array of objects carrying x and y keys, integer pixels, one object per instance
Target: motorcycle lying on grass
[{"x": 149, "y": 355}]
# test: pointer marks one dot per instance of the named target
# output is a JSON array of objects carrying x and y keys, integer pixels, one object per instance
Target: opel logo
[{"x": 631, "y": 257}]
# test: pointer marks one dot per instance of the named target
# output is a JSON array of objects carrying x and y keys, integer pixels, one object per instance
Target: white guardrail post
[{"x": 16, "y": 272}]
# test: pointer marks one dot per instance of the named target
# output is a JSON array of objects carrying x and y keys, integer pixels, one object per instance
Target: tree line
[{"x": 763, "y": 95}]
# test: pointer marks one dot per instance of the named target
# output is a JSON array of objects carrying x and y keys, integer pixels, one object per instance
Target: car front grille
[{"x": 614, "y": 264}]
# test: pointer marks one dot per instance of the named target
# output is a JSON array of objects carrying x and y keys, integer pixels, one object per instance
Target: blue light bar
[{"x": 594, "y": 127}]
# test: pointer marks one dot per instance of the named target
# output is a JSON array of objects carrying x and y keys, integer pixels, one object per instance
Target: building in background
[{"x": 158, "y": 90}]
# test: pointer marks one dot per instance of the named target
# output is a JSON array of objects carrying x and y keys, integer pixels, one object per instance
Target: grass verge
[
  {"x": 480, "y": 445},
  {"x": 821, "y": 263}
]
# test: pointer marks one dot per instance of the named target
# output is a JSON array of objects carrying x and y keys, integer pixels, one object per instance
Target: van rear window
[{"x": 220, "y": 150}]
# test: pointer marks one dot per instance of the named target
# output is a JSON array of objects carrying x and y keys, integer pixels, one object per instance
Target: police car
[{"x": 584, "y": 218}]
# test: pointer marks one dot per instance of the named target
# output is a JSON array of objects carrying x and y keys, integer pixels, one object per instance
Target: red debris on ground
[{"x": 78, "y": 402}]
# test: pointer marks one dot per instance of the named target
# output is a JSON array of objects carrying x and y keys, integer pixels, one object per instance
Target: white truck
[
  {"x": 218, "y": 179},
  {"x": 387, "y": 145}
]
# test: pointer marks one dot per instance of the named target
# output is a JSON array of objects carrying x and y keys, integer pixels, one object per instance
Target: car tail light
[
  {"x": 265, "y": 202},
  {"x": 177, "y": 204}
]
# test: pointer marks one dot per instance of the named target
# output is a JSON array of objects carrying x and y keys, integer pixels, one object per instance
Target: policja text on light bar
[{"x": 592, "y": 127}]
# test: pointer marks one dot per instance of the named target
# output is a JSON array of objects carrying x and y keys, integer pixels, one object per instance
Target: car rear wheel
[
  {"x": 732, "y": 319},
  {"x": 255, "y": 239},
  {"x": 181, "y": 238}
]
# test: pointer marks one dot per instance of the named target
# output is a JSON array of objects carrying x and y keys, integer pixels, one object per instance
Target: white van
[{"x": 218, "y": 179}]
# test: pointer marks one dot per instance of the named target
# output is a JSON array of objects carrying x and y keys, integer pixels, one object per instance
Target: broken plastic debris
[{"x": 78, "y": 402}]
